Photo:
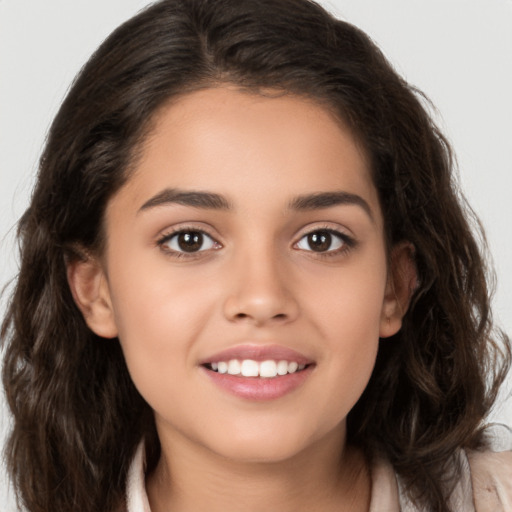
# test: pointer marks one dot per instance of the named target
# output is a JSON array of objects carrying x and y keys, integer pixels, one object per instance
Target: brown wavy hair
[{"x": 77, "y": 416}]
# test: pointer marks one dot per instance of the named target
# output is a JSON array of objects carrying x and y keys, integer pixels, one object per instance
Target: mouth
[
  {"x": 258, "y": 373},
  {"x": 268, "y": 369}
]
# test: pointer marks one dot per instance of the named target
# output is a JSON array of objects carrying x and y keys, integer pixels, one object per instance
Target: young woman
[{"x": 248, "y": 282}]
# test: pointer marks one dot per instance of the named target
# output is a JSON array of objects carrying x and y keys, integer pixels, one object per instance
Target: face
[{"x": 248, "y": 239}]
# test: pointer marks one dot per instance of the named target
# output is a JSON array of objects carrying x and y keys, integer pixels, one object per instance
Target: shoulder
[
  {"x": 491, "y": 475},
  {"x": 485, "y": 483}
]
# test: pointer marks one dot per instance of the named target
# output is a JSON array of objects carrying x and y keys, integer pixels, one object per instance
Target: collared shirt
[{"x": 485, "y": 485}]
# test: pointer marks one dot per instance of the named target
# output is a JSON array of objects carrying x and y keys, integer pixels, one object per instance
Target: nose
[{"x": 259, "y": 293}]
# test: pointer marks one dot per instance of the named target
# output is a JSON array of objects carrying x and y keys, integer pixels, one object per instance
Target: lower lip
[{"x": 259, "y": 388}]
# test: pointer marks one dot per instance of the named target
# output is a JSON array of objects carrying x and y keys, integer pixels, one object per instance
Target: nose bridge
[{"x": 259, "y": 288}]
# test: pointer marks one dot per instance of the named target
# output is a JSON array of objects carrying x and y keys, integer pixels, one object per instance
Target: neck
[{"x": 327, "y": 476}]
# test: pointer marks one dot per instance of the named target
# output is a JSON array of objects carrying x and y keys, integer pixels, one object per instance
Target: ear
[
  {"x": 401, "y": 284},
  {"x": 90, "y": 290}
]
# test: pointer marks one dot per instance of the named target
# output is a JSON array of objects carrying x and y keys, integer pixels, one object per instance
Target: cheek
[
  {"x": 165, "y": 314},
  {"x": 156, "y": 300},
  {"x": 158, "y": 320},
  {"x": 347, "y": 302},
  {"x": 347, "y": 312},
  {"x": 159, "y": 315}
]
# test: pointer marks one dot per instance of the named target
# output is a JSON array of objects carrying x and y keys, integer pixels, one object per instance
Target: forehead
[{"x": 236, "y": 143}]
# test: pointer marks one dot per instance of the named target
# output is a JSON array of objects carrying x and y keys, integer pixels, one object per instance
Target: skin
[{"x": 256, "y": 281}]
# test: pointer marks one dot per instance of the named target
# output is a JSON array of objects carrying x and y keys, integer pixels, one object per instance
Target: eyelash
[
  {"x": 348, "y": 243},
  {"x": 168, "y": 237}
]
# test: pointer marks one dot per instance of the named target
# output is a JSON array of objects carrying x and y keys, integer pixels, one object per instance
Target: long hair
[{"x": 77, "y": 416}]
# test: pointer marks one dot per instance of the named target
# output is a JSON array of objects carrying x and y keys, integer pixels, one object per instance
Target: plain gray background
[{"x": 457, "y": 51}]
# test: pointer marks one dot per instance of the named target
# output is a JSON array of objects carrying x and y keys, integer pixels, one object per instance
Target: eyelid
[
  {"x": 348, "y": 240},
  {"x": 169, "y": 234},
  {"x": 334, "y": 228}
]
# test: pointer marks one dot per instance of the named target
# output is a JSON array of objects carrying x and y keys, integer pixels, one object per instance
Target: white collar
[
  {"x": 384, "y": 494},
  {"x": 136, "y": 496},
  {"x": 492, "y": 476}
]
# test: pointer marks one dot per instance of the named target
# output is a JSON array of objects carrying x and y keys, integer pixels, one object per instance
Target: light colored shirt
[{"x": 485, "y": 485}]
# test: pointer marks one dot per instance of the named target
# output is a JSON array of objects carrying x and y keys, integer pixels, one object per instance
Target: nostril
[{"x": 260, "y": 308}]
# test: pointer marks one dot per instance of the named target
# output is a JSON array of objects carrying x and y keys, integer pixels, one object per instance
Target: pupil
[
  {"x": 319, "y": 241},
  {"x": 190, "y": 242}
]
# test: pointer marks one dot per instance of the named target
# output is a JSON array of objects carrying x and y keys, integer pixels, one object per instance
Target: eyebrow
[
  {"x": 213, "y": 201},
  {"x": 320, "y": 200},
  {"x": 196, "y": 199}
]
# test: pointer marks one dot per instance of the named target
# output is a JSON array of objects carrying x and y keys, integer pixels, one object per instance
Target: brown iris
[
  {"x": 190, "y": 241},
  {"x": 320, "y": 241}
]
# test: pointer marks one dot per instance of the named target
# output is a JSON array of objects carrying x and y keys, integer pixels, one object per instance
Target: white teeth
[
  {"x": 268, "y": 369},
  {"x": 282, "y": 367},
  {"x": 234, "y": 367},
  {"x": 249, "y": 368},
  {"x": 292, "y": 367}
]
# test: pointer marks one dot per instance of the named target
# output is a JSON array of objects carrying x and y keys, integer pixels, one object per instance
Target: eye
[
  {"x": 189, "y": 241},
  {"x": 323, "y": 240}
]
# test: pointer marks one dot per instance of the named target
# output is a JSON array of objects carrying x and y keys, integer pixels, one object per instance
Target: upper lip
[{"x": 258, "y": 353}]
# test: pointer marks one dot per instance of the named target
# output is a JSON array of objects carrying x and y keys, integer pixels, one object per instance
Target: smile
[
  {"x": 258, "y": 373},
  {"x": 249, "y": 368}
]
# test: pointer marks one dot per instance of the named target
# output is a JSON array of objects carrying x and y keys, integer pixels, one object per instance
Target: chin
[
  {"x": 258, "y": 453},
  {"x": 266, "y": 445}
]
